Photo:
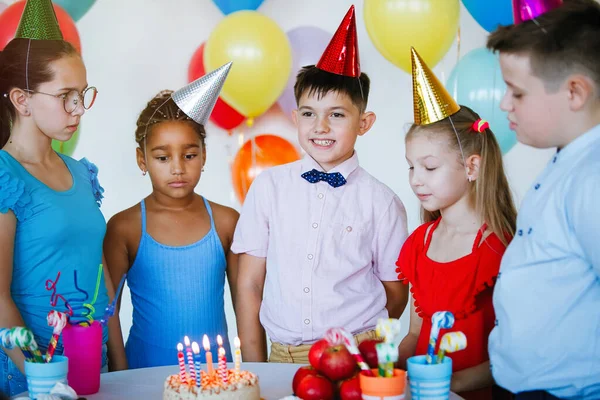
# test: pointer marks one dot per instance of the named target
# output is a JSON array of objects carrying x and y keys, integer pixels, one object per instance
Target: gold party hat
[
  {"x": 198, "y": 98},
  {"x": 38, "y": 21},
  {"x": 431, "y": 100}
]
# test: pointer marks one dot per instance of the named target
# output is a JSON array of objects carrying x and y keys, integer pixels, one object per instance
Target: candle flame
[
  {"x": 195, "y": 348},
  {"x": 186, "y": 340},
  {"x": 219, "y": 340},
  {"x": 236, "y": 342},
  {"x": 179, "y": 347},
  {"x": 221, "y": 352},
  {"x": 205, "y": 343}
]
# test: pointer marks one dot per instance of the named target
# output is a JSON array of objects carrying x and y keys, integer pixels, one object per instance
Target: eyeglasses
[{"x": 73, "y": 98}]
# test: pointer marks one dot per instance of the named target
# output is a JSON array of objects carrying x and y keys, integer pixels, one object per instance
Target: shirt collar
[
  {"x": 574, "y": 149},
  {"x": 345, "y": 168}
]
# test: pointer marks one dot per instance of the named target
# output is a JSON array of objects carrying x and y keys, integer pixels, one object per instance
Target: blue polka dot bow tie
[{"x": 334, "y": 179}]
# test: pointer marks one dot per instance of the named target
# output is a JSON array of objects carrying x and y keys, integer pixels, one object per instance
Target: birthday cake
[{"x": 237, "y": 387}]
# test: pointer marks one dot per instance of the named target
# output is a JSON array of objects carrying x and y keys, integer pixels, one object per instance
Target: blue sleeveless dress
[
  {"x": 176, "y": 291},
  {"x": 57, "y": 231}
]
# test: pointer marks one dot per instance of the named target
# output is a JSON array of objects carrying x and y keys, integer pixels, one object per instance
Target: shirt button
[
  {"x": 554, "y": 159},
  {"x": 315, "y": 225},
  {"x": 537, "y": 186},
  {"x": 306, "y": 290},
  {"x": 306, "y": 321},
  {"x": 520, "y": 232},
  {"x": 349, "y": 228},
  {"x": 496, "y": 322},
  {"x": 310, "y": 256},
  {"x": 320, "y": 195},
  {"x": 529, "y": 231},
  {"x": 10, "y": 377}
]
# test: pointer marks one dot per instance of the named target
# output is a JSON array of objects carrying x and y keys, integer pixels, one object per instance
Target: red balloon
[
  {"x": 256, "y": 155},
  {"x": 10, "y": 17},
  {"x": 223, "y": 114}
]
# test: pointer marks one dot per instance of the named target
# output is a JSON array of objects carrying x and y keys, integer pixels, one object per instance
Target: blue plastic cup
[
  {"x": 429, "y": 381},
  {"x": 41, "y": 377}
]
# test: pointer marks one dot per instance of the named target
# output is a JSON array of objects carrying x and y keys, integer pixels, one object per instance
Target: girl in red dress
[{"x": 452, "y": 260}]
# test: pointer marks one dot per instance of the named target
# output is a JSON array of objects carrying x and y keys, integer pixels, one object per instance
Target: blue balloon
[
  {"x": 75, "y": 8},
  {"x": 231, "y": 6},
  {"x": 490, "y": 13},
  {"x": 476, "y": 82}
]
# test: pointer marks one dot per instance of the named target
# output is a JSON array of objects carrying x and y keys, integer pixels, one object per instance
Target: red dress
[{"x": 463, "y": 286}]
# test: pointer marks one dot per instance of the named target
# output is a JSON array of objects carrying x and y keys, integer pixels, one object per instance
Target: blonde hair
[{"x": 489, "y": 194}]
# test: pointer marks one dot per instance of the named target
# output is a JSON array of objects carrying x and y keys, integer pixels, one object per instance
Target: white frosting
[{"x": 242, "y": 387}]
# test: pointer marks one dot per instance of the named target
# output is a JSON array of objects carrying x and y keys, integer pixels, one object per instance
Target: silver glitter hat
[{"x": 198, "y": 98}]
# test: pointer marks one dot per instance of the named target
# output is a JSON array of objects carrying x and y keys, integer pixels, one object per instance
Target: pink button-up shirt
[{"x": 327, "y": 249}]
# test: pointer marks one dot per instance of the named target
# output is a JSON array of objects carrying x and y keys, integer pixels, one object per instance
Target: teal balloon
[
  {"x": 67, "y": 147},
  {"x": 490, "y": 13},
  {"x": 476, "y": 82},
  {"x": 231, "y": 6},
  {"x": 75, "y": 8}
]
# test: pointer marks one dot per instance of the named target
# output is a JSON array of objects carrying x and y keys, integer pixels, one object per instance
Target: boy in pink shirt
[{"x": 318, "y": 238}]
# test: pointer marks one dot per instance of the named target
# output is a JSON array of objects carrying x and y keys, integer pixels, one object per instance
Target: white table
[{"x": 147, "y": 383}]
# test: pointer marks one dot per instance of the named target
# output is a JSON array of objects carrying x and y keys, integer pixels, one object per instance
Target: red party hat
[{"x": 341, "y": 55}]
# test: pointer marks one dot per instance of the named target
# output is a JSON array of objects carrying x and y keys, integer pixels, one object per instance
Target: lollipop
[
  {"x": 341, "y": 336},
  {"x": 57, "y": 321},
  {"x": 450, "y": 343},
  {"x": 439, "y": 320}
]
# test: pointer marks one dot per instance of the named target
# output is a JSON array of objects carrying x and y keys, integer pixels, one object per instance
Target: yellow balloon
[
  {"x": 430, "y": 26},
  {"x": 262, "y": 60}
]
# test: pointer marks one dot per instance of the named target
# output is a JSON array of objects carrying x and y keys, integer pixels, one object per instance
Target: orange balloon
[{"x": 256, "y": 155}]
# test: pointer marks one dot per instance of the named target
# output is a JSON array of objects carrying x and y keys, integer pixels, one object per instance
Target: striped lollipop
[
  {"x": 451, "y": 342},
  {"x": 439, "y": 320},
  {"x": 337, "y": 336},
  {"x": 23, "y": 338},
  {"x": 57, "y": 320}
]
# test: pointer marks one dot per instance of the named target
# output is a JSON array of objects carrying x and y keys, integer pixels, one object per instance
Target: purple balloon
[{"x": 308, "y": 44}]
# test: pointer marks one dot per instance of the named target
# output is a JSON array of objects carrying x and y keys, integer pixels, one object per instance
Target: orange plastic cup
[{"x": 381, "y": 388}]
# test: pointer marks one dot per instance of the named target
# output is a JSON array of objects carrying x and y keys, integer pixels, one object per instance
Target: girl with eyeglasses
[{"x": 50, "y": 218}]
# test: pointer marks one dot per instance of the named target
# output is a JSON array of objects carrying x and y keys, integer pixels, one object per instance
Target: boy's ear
[
  {"x": 580, "y": 90},
  {"x": 141, "y": 159},
  {"x": 295, "y": 116},
  {"x": 367, "y": 119}
]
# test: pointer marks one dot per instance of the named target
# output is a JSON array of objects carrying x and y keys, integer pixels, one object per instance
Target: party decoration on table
[
  {"x": 111, "y": 307},
  {"x": 256, "y": 155},
  {"x": 223, "y": 115},
  {"x": 451, "y": 342},
  {"x": 490, "y": 14},
  {"x": 38, "y": 22},
  {"x": 395, "y": 26},
  {"x": 91, "y": 311},
  {"x": 341, "y": 56},
  {"x": 341, "y": 336},
  {"x": 431, "y": 101},
  {"x": 68, "y": 146},
  {"x": 439, "y": 320},
  {"x": 82, "y": 313},
  {"x": 527, "y": 10},
  {"x": 23, "y": 338},
  {"x": 387, "y": 352},
  {"x": 261, "y": 56},
  {"x": 476, "y": 82},
  {"x": 308, "y": 44},
  {"x": 55, "y": 297},
  {"x": 57, "y": 321},
  {"x": 231, "y": 6},
  {"x": 197, "y": 99},
  {"x": 75, "y": 8},
  {"x": 208, "y": 355}
]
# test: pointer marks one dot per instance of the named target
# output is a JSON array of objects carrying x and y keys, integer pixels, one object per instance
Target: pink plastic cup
[{"x": 83, "y": 348}]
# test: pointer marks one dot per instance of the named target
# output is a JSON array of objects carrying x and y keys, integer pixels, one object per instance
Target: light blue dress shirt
[{"x": 547, "y": 297}]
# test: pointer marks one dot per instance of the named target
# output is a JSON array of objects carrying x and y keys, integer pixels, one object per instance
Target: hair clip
[
  {"x": 480, "y": 125},
  {"x": 5, "y": 95}
]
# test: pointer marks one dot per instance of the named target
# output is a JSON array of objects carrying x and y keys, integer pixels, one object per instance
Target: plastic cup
[
  {"x": 381, "y": 388},
  {"x": 429, "y": 381},
  {"x": 41, "y": 377},
  {"x": 83, "y": 347}
]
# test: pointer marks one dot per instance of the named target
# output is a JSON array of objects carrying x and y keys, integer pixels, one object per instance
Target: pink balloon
[{"x": 308, "y": 44}]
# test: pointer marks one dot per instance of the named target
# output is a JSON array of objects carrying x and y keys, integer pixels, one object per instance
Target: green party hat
[{"x": 39, "y": 21}]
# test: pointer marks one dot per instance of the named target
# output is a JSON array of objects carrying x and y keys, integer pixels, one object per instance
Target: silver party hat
[{"x": 198, "y": 98}]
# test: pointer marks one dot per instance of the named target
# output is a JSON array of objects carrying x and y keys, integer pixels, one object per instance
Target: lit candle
[
  {"x": 223, "y": 366},
  {"x": 181, "y": 363},
  {"x": 190, "y": 359},
  {"x": 237, "y": 355},
  {"x": 209, "y": 360},
  {"x": 196, "y": 350}
]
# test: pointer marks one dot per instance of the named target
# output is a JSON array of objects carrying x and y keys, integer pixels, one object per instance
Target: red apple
[
  {"x": 316, "y": 351},
  {"x": 368, "y": 351},
  {"x": 315, "y": 387},
  {"x": 300, "y": 374},
  {"x": 337, "y": 363},
  {"x": 350, "y": 389}
]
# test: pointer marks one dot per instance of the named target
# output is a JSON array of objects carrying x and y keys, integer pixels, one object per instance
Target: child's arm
[
  {"x": 115, "y": 266},
  {"x": 473, "y": 378},
  {"x": 9, "y": 314},
  {"x": 226, "y": 219},
  {"x": 408, "y": 346},
  {"x": 249, "y": 293},
  {"x": 397, "y": 296}
]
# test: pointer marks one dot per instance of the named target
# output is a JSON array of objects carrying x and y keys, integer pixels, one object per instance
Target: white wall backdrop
[{"x": 134, "y": 48}]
